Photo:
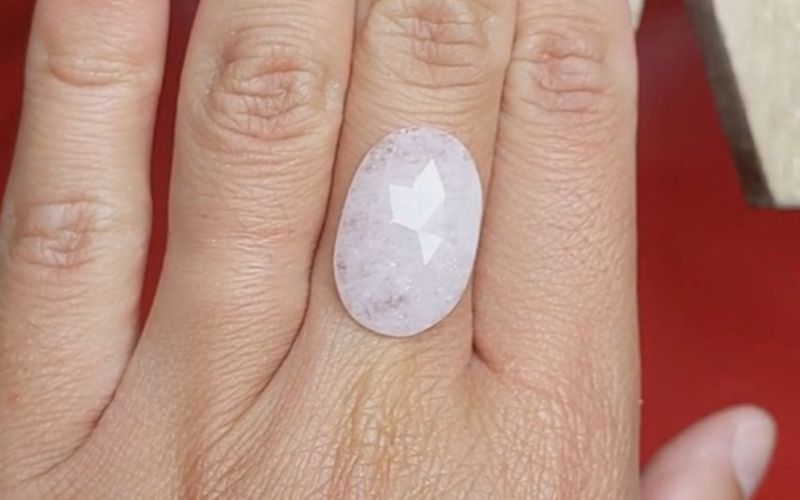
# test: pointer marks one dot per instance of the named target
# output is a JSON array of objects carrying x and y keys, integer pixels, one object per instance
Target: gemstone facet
[{"x": 409, "y": 231}]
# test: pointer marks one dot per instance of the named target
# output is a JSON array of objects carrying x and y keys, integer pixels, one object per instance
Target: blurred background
[{"x": 719, "y": 283}]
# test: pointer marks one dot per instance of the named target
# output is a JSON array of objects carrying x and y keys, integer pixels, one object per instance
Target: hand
[{"x": 249, "y": 380}]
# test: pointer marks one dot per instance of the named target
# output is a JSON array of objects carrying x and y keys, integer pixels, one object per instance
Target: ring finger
[{"x": 429, "y": 75}]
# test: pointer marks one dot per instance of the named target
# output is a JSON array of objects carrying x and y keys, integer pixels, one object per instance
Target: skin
[{"x": 248, "y": 379}]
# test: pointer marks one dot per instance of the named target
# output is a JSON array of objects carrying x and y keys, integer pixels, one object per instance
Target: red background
[{"x": 719, "y": 315}]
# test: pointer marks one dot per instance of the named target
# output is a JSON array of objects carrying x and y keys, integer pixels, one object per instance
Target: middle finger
[{"x": 258, "y": 122}]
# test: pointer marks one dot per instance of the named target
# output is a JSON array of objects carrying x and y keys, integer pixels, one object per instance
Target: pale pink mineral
[{"x": 409, "y": 231}]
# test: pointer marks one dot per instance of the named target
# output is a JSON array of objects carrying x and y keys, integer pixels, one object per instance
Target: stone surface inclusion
[{"x": 409, "y": 231}]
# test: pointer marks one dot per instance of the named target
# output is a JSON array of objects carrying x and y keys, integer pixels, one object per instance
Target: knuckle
[
  {"x": 560, "y": 72},
  {"x": 98, "y": 64},
  {"x": 438, "y": 44},
  {"x": 256, "y": 99},
  {"x": 60, "y": 236},
  {"x": 94, "y": 71}
]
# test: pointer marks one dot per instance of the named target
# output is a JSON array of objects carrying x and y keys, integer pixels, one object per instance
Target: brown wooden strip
[{"x": 752, "y": 52}]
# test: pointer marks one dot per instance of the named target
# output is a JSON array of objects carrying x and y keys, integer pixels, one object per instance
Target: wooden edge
[
  {"x": 730, "y": 105},
  {"x": 637, "y": 6}
]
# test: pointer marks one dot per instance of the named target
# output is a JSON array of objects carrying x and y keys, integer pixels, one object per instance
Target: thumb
[{"x": 722, "y": 457}]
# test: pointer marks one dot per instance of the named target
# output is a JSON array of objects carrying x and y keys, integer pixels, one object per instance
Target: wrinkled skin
[{"x": 248, "y": 380}]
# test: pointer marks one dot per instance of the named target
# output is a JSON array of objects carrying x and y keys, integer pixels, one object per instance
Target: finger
[
  {"x": 257, "y": 127},
  {"x": 555, "y": 277},
  {"x": 416, "y": 64},
  {"x": 723, "y": 457},
  {"x": 75, "y": 222}
]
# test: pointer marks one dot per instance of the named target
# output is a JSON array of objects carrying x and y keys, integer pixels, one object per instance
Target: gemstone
[{"x": 408, "y": 236}]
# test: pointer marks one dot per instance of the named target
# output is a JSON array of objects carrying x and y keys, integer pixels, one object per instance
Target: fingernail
[
  {"x": 409, "y": 232},
  {"x": 751, "y": 453}
]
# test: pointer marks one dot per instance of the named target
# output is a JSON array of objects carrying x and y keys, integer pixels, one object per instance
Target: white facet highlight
[
  {"x": 413, "y": 207},
  {"x": 429, "y": 243}
]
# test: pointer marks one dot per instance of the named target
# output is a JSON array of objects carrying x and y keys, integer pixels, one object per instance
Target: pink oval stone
[{"x": 409, "y": 232}]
